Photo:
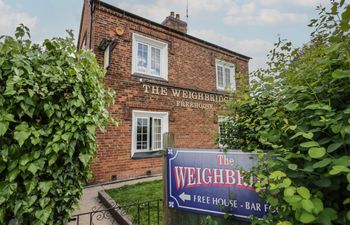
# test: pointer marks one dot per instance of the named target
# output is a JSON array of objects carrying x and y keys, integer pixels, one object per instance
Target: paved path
[{"x": 90, "y": 202}]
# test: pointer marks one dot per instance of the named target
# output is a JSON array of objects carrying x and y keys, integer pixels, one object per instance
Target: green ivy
[
  {"x": 52, "y": 100},
  {"x": 299, "y": 111}
]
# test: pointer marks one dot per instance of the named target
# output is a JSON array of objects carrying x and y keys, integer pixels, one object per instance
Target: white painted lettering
[
  {"x": 146, "y": 87},
  {"x": 200, "y": 96},
  {"x": 180, "y": 176},
  {"x": 155, "y": 90},
  {"x": 230, "y": 177},
  {"x": 206, "y": 176},
  {"x": 163, "y": 91},
  {"x": 194, "y": 95},
  {"x": 184, "y": 94},
  {"x": 176, "y": 92},
  {"x": 190, "y": 176},
  {"x": 218, "y": 176}
]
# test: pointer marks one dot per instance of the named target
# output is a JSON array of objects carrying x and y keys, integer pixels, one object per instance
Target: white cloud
[
  {"x": 154, "y": 12},
  {"x": 204, "y": 6},
  {"x": 255, "y": 48},
  {"x": 252, "y": 14},
  {"x": 160, "y": 9},
  {"x": 294, "y": 2},
  {"x": 10, "y": 19},
  {"x": 248, "y": 8}
]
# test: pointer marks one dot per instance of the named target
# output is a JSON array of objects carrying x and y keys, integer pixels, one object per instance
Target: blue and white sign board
[{"x": 211, "y": 182}]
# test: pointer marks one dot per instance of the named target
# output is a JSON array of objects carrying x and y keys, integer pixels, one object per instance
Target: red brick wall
[
  {"x": 191, "y": 64},
  {"x": 84, "y": 32}
]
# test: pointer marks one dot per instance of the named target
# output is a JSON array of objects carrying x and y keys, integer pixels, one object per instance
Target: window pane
[
  {"x": 148, "y": 130},
  {"x": 227, "y": 78},
  {"x": 106, "y": 58},
  {"x": 222, "y": 130},
  {"x": 220, "y": 77},
  {"x": 144, "y": 146},
  {"x": 142, "y": 52},
  {"x": 157, "y": 134},
  {"x": 144, "y": 129},
  {"x": 144, "y": 137},
  {"x": 155, "y": 61},
  {"x": 233, "y": 81},
  {"x": 142, "y": 133}
]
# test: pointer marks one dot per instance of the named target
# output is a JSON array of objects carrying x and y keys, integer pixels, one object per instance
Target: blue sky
[{"x": 249, "y": 27}]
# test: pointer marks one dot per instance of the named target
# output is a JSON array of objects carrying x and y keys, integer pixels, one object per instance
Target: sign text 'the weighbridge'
[{"x": 186, "y": 97}]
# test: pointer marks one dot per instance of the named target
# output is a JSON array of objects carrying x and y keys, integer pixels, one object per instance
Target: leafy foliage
[
  {"x": 299, "y": 110},
  {"x": 52, "y": 99}
]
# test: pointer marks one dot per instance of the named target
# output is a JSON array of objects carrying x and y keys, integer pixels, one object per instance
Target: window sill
[
  {"x": 225, "y": 91},
  {"x": 144, "y": 155},
  {"x": 146, "y": 76}
]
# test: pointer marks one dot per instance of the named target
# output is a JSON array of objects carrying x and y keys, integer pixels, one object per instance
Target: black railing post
[{"x": 139, "y": 206}]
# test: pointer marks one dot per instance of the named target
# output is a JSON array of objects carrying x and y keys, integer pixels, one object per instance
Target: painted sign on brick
[{"x": 211, "y": 182}]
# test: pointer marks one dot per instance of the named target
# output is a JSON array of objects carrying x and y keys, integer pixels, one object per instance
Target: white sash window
[
  {"x": 149, "y": 57},
  {"x": 225, "y": 75},
  {"x": 147, "y": 130}
]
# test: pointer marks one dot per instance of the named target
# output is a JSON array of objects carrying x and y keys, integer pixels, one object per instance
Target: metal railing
[{"x": 138, "y": 213}]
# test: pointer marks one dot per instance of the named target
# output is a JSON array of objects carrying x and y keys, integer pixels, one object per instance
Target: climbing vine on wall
[
  {"x": 52, "y": 100},
  {"x": 297, "y": 112}
]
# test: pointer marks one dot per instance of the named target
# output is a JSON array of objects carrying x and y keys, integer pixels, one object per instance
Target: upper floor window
[
  {"x": 225, "y": 75},
  {"x": 149, "y": 57}
]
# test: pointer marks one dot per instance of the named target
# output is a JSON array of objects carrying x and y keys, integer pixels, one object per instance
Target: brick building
[{"x": 165, "y": 81}]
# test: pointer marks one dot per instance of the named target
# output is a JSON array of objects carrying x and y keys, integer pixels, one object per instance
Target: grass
[{"x": 141, "y": 192}]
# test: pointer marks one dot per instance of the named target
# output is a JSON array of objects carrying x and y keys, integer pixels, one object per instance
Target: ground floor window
[
  {"x": 147, "y": 130},
  {"x": 223, "y": 122}
]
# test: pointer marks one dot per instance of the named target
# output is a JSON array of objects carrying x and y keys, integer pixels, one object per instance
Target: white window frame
[
  {"x": 106, "y": 57},
  {"x": 137, "y": 38},
  {"x": 220, "y": 120},
  {"x": 164, "y": 116},
  {"x": 232, "y": 68}
]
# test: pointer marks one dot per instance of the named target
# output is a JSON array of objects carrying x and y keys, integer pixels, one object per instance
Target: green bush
[
  {"x": 52, "y": 99},
  {"x": 299, "y": 110}
]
